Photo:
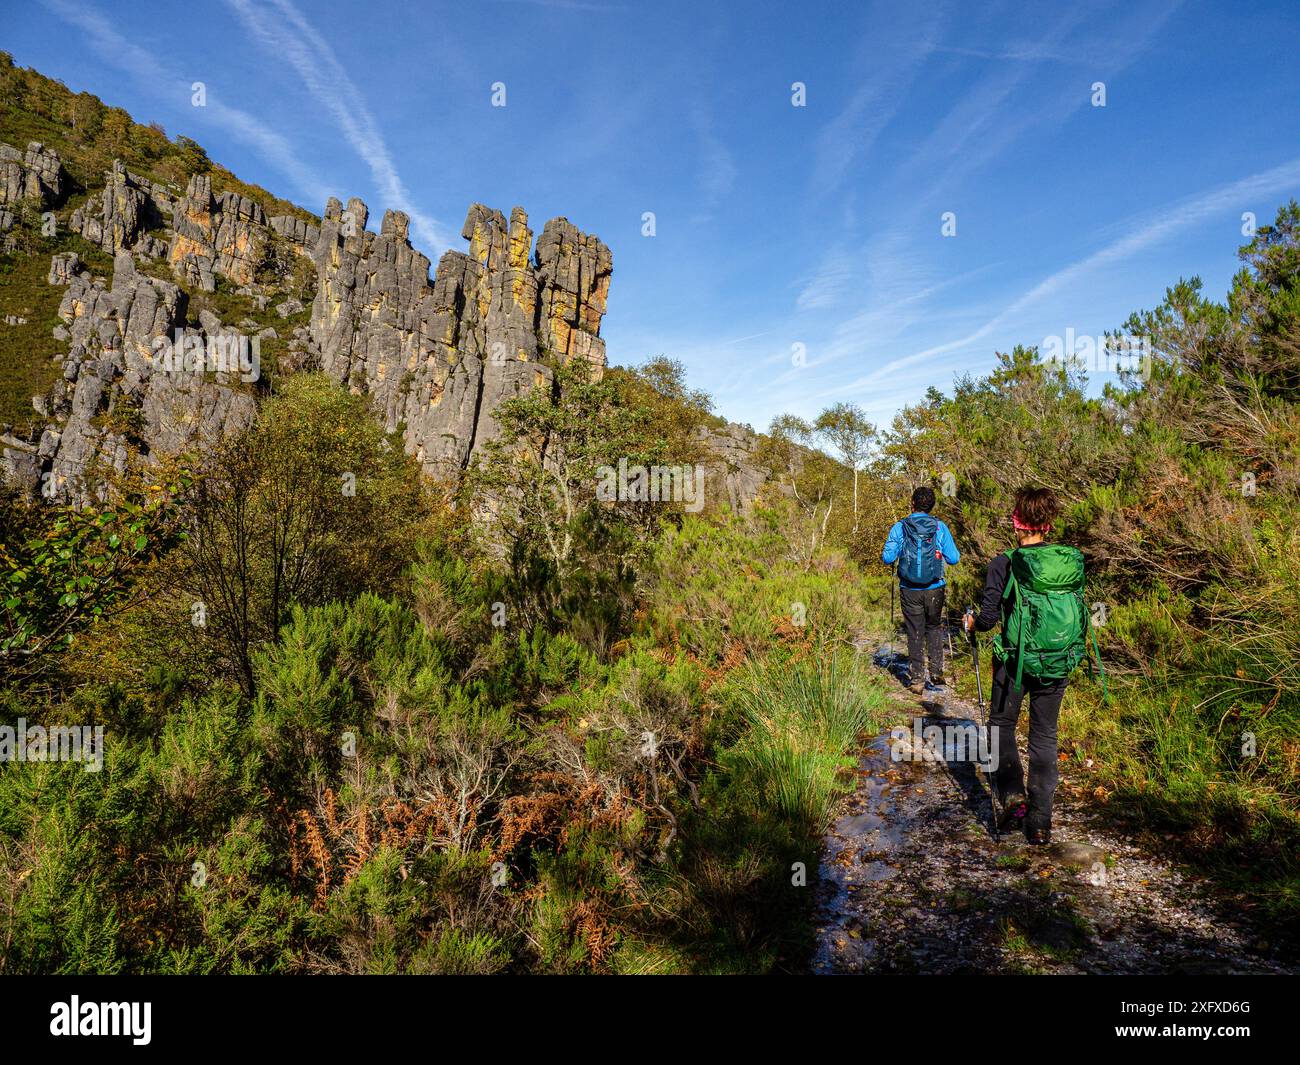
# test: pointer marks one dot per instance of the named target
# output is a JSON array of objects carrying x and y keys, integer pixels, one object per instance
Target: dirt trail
[{"x": 913, "y": 881}]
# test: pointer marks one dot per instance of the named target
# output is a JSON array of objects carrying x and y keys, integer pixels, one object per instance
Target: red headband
[{"x": 1021, "y": 526}]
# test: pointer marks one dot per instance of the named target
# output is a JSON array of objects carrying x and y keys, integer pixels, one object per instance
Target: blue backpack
[{"x": 919, "y": 563}]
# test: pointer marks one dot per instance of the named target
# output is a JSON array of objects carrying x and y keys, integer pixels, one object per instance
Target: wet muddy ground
[{"x": 913, "y": 880}]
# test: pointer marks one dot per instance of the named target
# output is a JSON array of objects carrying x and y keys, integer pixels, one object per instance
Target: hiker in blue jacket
[{"x": 921, "y": 544}]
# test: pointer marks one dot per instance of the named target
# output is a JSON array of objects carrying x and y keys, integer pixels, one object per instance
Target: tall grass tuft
[{"x": 801, "y": 720}]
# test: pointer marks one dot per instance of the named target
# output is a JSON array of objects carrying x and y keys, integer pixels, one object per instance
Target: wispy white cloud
[
  {"x": 1159, "y": 226},
  {"x": 894, "y": 51},
  {"x": 291, "y": 36},
  {"x": 901, "y": 301},
  {"x": 149, "y": 69},
  {"x": 830, "y": 283},
  {"x": 717, "y": 166},
  {"x": 979, "y": 114},
  {"x": 563, "y": 5},
  {"x": 1030, "y": 53},
  {"x": 999, "y": 108},
  {"x": 979, "y": 128}
]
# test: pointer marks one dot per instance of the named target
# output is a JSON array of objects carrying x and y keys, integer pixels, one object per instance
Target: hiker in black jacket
[{"x": 1035, "y": 510}]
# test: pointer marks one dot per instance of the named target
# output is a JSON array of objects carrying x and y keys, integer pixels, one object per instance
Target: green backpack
[{"x": 1045, "y": 620}]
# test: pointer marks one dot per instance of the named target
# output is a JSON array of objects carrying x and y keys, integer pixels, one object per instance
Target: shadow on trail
[
  {"x": 914, "y": 880},
  {"x": 966, "y": 775}
]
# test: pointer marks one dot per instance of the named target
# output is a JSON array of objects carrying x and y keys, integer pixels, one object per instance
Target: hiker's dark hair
[
  {"x": 1037, "y": 506},
  {"x": 923, "y": 499}
]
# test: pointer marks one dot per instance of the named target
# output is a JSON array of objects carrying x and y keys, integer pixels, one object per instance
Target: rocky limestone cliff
[
  {"x": 435, "y": 357},
  {"x": 225, "y": 236},
  {"x": 438, "y": 357},
  {"x": 734, "y": 475},
  {"x": 35, "y": 177},
  {"x": 127, "y": 208},
  {"x": 112, "y": 377}
]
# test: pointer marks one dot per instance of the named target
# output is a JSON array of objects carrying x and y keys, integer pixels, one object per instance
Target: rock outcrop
[
  {"x": 437, "y": 358},
  {"x": 434, "y": 357},
  {"x": 35, "y": 178},
  {"x": 734, "y": 475},
  {"x": 223, "y": 236},
  {"x": 303, "y": 235},
  {"x": 128, "y": 208},
  {"x": 574, "y": 270},
  {"x": 113, "y": 376},
  {"x": 63, "y": 268}
]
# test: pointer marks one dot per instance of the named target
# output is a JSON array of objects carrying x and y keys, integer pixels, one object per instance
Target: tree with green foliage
[
  {"x": 66, "y": 567},
  {"x": 849, "y": 432},
  {"x": 811, "y": 475},
  {"x": 312, "y": 503},
  {"x": 573, "y": 553},
  {"x": 192, "y": 155}
]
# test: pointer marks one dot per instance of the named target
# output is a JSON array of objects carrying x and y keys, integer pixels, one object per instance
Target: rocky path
[{"x": 913, "y": 880}]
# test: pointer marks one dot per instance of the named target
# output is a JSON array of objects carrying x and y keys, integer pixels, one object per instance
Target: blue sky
[{"x": 776, "y": 225}]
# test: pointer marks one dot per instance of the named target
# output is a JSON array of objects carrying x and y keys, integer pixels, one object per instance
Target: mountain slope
[{"x": 186, "y": 293}]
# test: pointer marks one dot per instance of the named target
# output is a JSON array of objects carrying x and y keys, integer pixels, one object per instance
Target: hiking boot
[
  {"x": 936, "y": 683},
  {"x": 1013, "y": 813},
  {"x": 1038, "y": 837},
  {"x": 916, "y": 686}
]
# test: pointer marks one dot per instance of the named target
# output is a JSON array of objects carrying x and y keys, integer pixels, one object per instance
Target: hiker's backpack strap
[
  {"x": 1020, "y": 654},
  {"x": 1012, "y": 586},
  {"x": 1011, "y": 575}
]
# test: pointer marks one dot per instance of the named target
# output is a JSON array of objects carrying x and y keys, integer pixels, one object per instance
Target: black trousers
[
  {"x": 923, "y": 618},
  {"x": 1044, "y": 711}
]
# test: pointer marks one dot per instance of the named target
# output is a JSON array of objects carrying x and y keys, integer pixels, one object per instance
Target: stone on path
[{"x": 1076, "y": 855}]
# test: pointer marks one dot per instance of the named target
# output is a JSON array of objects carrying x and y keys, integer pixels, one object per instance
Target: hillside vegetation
[
  {"x": 400, "y": 741},
  {"x": 89, "y": 135}
]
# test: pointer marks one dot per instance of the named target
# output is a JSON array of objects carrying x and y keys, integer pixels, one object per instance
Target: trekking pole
[
  {"x": 979, "y": 684},
  {"x": 984, "y": 723},
  {"x": 952, "y": 657}
]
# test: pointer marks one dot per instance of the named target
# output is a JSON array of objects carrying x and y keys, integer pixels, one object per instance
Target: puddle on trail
[
  {"x": 860, "y": 851},
  {"x": 892, "y": 661}
]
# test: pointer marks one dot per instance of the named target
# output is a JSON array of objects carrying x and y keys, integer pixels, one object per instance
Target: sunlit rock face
[
  {"x": 438, "y": 357},
  {"x": 116, "y": 395},
  {"x": 434, "y": 357},
  {"x": 32, "y": 177}
]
